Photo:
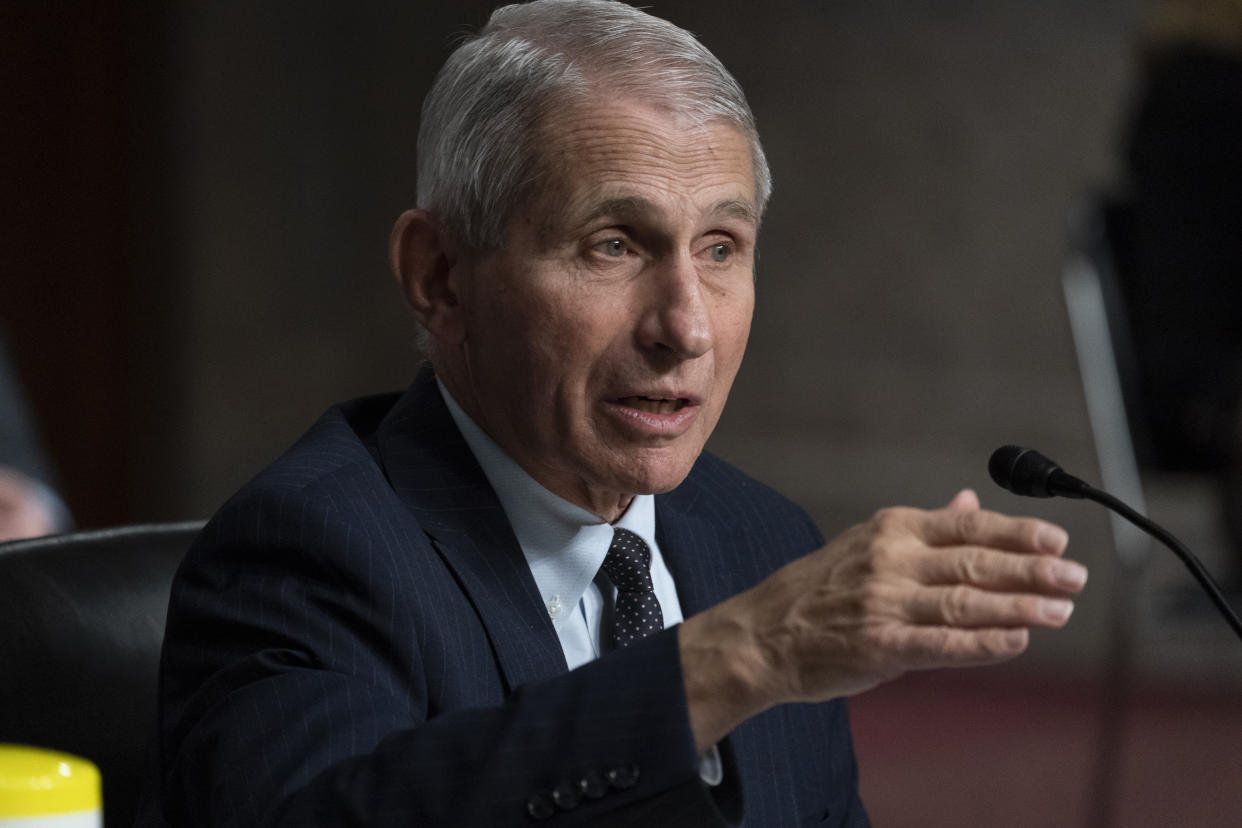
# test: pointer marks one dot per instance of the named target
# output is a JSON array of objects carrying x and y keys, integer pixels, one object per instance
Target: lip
[{"x": 683, "y": 411}]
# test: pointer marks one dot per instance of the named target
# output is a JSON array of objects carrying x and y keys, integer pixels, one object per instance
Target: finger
[
  {"x": 929, "y": 647},
  {"x": 979, "y": 527},
  {"x": 971, "y": 608},
  {"x": 964, "y": 501},
  {"x": 992, "y": 569}
]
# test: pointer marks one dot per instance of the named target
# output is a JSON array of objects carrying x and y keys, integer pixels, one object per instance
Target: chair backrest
[{"x": 81, "y": 626}]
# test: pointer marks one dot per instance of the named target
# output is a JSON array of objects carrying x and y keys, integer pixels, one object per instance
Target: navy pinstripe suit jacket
[{"x": 356, "y": 639}]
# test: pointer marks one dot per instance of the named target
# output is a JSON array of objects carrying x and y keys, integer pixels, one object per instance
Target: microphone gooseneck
[{"x": 1026, "y": 472}]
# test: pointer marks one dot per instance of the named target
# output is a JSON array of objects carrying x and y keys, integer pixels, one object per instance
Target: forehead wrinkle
[
  {"x": 597, "y": 145},
  {"x": 597, "y": 139},
  {"x": 601, "y": 137}
]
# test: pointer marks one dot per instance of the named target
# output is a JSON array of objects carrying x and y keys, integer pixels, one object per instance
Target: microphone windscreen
[{"x": 1022, "y": 471}]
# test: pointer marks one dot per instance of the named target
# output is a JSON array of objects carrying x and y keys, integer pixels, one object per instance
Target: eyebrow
[
  {"x": 623, "y": 208},
  {"x": 632, "y": 207},
  {"x": 738, "y": 208}
]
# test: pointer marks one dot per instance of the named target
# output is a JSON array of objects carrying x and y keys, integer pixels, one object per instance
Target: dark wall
[{"x": 63, "y": 233}]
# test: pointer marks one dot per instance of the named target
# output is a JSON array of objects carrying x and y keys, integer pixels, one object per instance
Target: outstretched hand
[{"x": 909, "y": 589}]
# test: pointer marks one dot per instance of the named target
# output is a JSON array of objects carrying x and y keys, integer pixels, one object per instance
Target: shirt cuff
[{"x": 711, "y": 769}]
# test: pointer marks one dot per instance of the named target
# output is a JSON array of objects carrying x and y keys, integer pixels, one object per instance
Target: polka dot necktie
[{"x": 637, "y": 612}]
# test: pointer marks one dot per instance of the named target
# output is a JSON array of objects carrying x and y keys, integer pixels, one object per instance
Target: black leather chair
[{"x": 81, "y": 625}]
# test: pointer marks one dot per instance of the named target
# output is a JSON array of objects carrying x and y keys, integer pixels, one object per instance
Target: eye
[
  {"x": 613, "y": 247},
  {"x": 720, "y": 252}
]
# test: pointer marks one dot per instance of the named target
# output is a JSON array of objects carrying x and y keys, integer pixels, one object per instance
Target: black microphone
[{"x": 1026, "y": 472}]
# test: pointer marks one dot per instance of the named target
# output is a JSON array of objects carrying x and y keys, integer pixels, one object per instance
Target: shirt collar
[{"x": 564, "y": 544}]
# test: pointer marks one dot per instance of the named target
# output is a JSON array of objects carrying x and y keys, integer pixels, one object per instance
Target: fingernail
[
  {"x": 1069, "y": 575},
  {"x": 1051, "y": 539},
  {"x": 1056, "y": 610}
]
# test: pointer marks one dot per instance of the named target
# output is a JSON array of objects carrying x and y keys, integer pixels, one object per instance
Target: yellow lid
[{"x": 38, "y": 782}]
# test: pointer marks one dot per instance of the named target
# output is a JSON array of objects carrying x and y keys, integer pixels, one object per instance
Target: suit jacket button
[
  {"x": 566, "y": 796},
  {"x": 623, "y": 777},
  {"x": 540, "y": 805},
  {"x": 592, "y": 785}
]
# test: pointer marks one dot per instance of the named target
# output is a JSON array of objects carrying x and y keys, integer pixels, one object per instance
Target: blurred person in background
[{"x": 29, "y": 505}]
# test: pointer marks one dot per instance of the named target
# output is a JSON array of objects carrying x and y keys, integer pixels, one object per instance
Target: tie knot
[{"x": 628, "y": 562}]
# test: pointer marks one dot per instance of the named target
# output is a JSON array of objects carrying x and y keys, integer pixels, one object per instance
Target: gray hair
[{"x": 477, "y": 147}]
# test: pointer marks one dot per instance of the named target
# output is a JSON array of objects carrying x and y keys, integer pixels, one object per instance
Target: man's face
[{"x": 601, "y": 340}]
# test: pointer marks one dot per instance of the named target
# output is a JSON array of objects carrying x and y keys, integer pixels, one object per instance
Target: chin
[{"x": 657, "y": 479}]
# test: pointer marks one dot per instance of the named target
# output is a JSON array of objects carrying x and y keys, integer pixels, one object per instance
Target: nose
[{"x": 676, "y": 320}]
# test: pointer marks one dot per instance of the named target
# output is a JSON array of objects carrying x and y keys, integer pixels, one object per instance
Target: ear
[{"x": 423, "y": 256}]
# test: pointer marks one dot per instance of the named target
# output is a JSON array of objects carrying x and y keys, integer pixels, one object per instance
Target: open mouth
[{"x": 655, "y": 405}]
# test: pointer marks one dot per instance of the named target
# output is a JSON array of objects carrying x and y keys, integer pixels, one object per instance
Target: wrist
[{"x": 724, "y": 672}]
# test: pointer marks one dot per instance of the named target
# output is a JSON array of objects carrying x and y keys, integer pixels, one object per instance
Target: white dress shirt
[{"x": 565, "y": 546}]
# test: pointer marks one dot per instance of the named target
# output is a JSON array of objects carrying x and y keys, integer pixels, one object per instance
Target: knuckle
[
  {"x": 994, "y": 645},
  {"x": 955, "y": 605},
  {"x": 934, "y": 643},
  {"x": 1028, "y": 608},
  {"x": 891, "y": 520},
  {"x": 873, "y": 601},
  {"x": 969, "y": 567},
  {"x": 969, "y": 524},
  {"x": 1043, "y": 570},
  {"x": 875, "y": 640},
  {"x": 882, "y": 521},
  {"x": 886, "y": 553},
  {"x": 937, "y": 645},
  {"x": 1029, "y": 533}
]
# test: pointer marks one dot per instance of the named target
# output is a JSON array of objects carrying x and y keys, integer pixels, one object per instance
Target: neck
[{"x": 610, "y": 509}]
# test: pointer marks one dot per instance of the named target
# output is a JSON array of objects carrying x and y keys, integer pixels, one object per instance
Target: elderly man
[{"x": 464, "y": 605}]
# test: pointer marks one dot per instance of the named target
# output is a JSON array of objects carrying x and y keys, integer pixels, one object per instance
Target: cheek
[
  {"x": 734, "y": 332},
  {"x": 576, "y": 333},
  {"x": 547, "y": 351}
]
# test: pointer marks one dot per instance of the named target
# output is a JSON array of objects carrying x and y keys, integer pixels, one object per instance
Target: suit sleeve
[{"x": 292, "y": 695}]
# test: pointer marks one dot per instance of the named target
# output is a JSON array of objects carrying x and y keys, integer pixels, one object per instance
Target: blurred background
[{"x": 198, "y": 201}]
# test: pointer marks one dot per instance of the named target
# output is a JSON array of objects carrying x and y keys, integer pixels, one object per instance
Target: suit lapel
[
  {"x": 711, "y": 549},
  {"x": 692, "y": 547},
  {"x": 434, "y": 473}
]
